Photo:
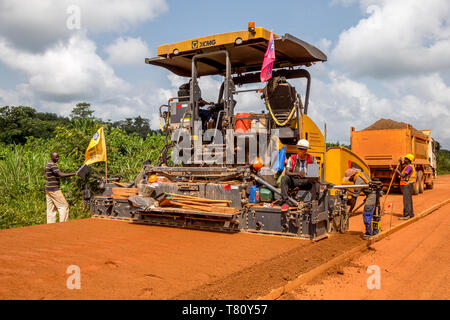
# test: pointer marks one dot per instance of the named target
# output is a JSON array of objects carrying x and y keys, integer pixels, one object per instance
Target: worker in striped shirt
[{"x": 56, "y": 203}]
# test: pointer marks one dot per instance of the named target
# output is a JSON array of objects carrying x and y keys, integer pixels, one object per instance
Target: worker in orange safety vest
[{"x": 407, "y": 180}]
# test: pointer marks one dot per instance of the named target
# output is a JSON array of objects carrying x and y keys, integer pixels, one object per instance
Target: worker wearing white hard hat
[
  {"x": 295, "y": 172},
  {"x": 303, "y": 144}
]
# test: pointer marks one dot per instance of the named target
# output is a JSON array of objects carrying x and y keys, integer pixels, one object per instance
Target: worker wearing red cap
[
  {"x": 407, "y": 180},
  {"x": 295, "y": 172}
]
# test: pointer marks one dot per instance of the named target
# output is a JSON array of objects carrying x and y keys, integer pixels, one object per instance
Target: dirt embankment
[{"x": 260, "y": 278}]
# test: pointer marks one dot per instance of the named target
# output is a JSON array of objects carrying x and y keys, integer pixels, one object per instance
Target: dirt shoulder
[{"x": 414, "y": 263}]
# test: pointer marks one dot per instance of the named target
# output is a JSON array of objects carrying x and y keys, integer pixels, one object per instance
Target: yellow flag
[{"x": 96, "y": 150}]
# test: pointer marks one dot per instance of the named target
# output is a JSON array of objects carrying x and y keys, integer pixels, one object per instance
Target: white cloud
[
  {"x": 34, "y": 25},
  {"x": 61, "y": 67},
  {"x": 407, "y": 41},
  {"x": 421, "y": 101},
  {"x": 399, "y": 37},
  {"x": 65, "y": 71},
  {"x": 20, "y": 96},
  {"x": 324, "y": 44},
  {"x": 71, "y": 71},
  {"x": 131, "y": 51},
  {"x": 429, "y": 87},
  {"x": 143, "y": 100},
  {"x": 117, "y": 15}
]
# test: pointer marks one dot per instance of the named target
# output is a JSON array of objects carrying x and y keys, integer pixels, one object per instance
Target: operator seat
[
  {"x": 281, "y": 97},
  {"x": 183, "y": 92}
]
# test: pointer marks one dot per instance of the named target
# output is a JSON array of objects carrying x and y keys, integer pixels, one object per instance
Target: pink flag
[{"x": 269, "y": 58}]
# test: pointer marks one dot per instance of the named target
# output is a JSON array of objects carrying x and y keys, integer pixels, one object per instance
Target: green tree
[
  {"x": 443, "y": 161},
  {"x": 138, "y": 125},
  {"x": 337, "y": 144},
  {"x": 19, "y": 123},
  {"x": 82, "y": 111}
]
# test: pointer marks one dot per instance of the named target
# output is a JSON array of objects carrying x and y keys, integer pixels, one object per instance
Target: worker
[
  {"x": 360, "y": 178},
  {"x": 407, "y": 180},
  {"x": 204, "y": 114},
  {"x": 56, "y": 203},
  {"x": 295, "y": 172}
]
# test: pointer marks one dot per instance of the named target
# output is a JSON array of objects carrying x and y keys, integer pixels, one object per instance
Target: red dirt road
[
  {"x": 421, "y": 202},
  {"x": 119, "y": 260},
  {"x": 414, "y": 263}
]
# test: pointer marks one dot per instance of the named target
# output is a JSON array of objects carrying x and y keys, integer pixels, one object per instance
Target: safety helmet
[
  {"x": 153, "y": 178},
  {"x": 257, "y": 164},
  {"x": 410, "y": 157},
  {"x": 303, "y": 144}
]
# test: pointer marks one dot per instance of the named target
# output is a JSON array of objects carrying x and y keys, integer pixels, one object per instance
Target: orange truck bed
[
  {"x": 381, "y": 150},
  {"x": 385, "y": 147}
]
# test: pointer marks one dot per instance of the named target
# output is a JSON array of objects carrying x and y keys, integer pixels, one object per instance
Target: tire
[
  {"x": 164, "y": 156},
  {"x": 431, "y": 184},
  {"x": 421, "y": 181}
]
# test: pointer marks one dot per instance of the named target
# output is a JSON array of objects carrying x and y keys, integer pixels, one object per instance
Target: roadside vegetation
[
  {"x": 26, "y": 140},
  {"x": 443, "y": 162},
  {"x": 27, "y": 137}
]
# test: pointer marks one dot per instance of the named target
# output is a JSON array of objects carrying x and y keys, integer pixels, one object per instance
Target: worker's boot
[{"x": 368, "y": 233}]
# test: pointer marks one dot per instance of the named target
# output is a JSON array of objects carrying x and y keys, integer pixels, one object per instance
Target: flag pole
[
  {"x": 106, "y": 159},
  {"x": 106, "y": 170}
]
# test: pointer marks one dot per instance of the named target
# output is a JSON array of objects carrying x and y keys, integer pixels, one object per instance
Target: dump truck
[
  {"x": 207, "y": 176},
  {"x": 382, "y": 144}
]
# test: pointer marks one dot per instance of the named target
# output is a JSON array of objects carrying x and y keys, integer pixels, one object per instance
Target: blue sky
[{"x": 386, "y": 59}]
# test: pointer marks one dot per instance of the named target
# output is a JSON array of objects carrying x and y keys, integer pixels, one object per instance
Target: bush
[
  {"x": 22, "y": 188},
  {"x": 443, "y": 162}
]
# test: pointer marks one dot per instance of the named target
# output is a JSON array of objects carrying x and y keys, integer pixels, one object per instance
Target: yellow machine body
[{"x": 339, "y": 159}]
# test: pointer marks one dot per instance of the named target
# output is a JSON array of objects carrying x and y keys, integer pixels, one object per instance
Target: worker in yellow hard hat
[{"x": 407, "y": 180}]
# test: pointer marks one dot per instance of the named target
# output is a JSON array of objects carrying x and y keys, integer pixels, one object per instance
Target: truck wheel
[
  {"x": 431, "y": 184},
  {"x": 421, "y": 179},
  {"x": 416, "y": 188}
]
